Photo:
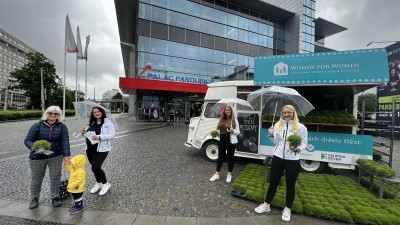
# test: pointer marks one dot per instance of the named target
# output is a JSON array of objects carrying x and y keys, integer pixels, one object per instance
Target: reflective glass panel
[
  {"x": 178, "y": 5},
  {"x": 193, "y": 9},
  {"x": 232, "y": 33},
  {"x": 243, "y": 35},
  {"x": 207, "y": 13},
  {"x": 144, "y": 44},
  {"x": 174, "y": 64},
  {"x": 219, "y": 57},
  {"x": 253, "y": 26},
  {"x": 161, "y": 3},
  {"x": 176, "y": 19},
  {"x": 221, "y": 17},
  {"x": 176, "y": 49},
  {"x": 159, "y": 46},
  {"x": 192, "y": 52},
  {"x": 158, "y": 62},
  {"x": 243, "y": 23},
  {"x": 145, "y": 11},
  {"x": 159, "y": 15},
  {"x": 143, "y": 59},
  {"x": 207, "y": 27},
  {"x": 220, "y": 30},
  {"x": 206, "y": 54},
  {"x": 253, "y": 38},
  {"x": 193, "y": 23},
  {"x": 243, "y": 60},
  {"x": 233, "y": 20},
  {"x": 231, "y": 59}
]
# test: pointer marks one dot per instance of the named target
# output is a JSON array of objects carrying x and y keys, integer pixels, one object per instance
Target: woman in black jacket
[{"x": 51, "y": 129}]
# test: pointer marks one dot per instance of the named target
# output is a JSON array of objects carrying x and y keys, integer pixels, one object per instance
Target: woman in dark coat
[{"x": 51, "y": 129}]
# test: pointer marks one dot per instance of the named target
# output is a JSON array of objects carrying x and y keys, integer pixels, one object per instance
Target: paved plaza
[{"x": 155, "y": 180}]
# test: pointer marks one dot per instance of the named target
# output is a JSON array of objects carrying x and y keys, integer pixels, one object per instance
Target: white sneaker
[
  {"x": 286, "y": 214},
  {"x": 263, "y": 208},
  {"x": 96, "y": 188},
  {"x": 104, "y": 188},
  {"x": 214, "y": 177},
  {"x": 228, "y": 178}
]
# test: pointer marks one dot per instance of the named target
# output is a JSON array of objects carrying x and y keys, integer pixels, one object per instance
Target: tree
[
  {"x": 370, "y": 102},
  {"x": 28, "y": 79}
]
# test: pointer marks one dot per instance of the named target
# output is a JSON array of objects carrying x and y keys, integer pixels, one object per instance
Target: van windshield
[{"x": 209, "y": 112}]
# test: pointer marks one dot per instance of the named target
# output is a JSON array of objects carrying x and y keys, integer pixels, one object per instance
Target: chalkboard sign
[{"x": 249, "y": 132}]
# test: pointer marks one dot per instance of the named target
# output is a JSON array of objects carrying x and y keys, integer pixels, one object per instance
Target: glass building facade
[
  {"x": 173, "y": 48},
  {"x": 188, "y": 38}
]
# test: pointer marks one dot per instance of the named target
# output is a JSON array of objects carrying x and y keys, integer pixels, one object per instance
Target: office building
[{"x": 173, "y": 48}]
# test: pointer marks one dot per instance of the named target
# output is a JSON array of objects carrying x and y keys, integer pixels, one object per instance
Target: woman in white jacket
[
  {"x": 228, "y": 128},
  {"x": 285, "y": 158},
  {"x": 97, "y": 153}
]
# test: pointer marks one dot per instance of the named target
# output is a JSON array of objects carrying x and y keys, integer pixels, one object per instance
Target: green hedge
[
  {"x": 377, "y": 169},
  {"x": 323, "y": 116},
  {"x": 321, "y": 195},
  {"x": 14, "y": 115}
]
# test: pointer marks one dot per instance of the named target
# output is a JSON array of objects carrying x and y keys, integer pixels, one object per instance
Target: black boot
[
  {"x": 34, "y": 203},
  {"x": 77, "y": 208},
  {"x": 56, "y": 202}
]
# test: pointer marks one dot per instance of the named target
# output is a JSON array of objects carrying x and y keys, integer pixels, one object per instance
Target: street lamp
[{"x": 372, "y": 42}]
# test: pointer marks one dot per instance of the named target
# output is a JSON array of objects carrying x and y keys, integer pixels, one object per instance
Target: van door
[{"x": 208, "y": 122}]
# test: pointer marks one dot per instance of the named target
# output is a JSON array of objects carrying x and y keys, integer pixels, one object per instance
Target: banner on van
[
  {"x": 328, "y": 147},
  {"x": 367, "y": 66}
]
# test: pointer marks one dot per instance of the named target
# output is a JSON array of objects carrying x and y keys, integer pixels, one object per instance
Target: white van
[{"x": 336, "y": 150}]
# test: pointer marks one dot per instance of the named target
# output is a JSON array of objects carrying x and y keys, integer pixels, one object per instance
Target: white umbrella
[
  {"x": 84, "y": 109},
  {"x": 239, "y": 103},
  {"x": 272, "y": 98}
]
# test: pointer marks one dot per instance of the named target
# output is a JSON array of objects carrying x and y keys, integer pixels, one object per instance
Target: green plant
[
  {"x": 294, "y": 140},
  {"x": 214, "y": 133},
  {"x": 41, "y": 144},
  {"x": 380, "y": 170}
]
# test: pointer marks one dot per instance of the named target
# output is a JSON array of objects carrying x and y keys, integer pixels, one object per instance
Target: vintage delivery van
[{"x": 329, "y": 84}]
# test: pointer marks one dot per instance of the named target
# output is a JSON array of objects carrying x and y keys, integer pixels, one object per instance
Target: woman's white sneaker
[
  {"x": 286, "y": 214},
  {"x": 214, "y": 177},
  {"x": 95, "y": 188},
  {"x": 263, "y": 208},
  {"x": 228, "y": 178},
  {"x": 104, "y": 188}
]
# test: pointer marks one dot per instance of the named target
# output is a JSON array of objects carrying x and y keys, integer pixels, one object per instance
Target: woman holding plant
[
  {"x": 289, "y": 137},
  {"x": 49, "y": 144},
  {"x": 228, "y": 128}
]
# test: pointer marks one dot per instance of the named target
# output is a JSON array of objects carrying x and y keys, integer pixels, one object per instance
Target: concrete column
[{"x": 132, "y": 106}]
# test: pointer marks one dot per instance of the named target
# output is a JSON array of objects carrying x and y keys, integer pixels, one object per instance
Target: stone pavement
[{"x": 155, "y": 180}]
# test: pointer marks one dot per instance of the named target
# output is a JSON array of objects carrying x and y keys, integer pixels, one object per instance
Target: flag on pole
[
  {"x": 69, "y": 38},
  {"x": 79, "y": 54},
  {"x": 87, "y": 44}
]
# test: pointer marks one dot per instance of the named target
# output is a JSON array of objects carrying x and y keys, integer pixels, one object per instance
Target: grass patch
[{"x": 321, "y": 195}]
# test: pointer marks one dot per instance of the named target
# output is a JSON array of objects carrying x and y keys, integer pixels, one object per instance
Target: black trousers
[
  {"x": 292, "y": 170},
  {"x": 225, "y": 150},
  {"x": 76, "y": 196},
  {"x": 96, "y": 159}
]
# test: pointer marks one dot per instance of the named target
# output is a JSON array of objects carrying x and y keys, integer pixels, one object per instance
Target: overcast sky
[{"x": 41, "y": 24}]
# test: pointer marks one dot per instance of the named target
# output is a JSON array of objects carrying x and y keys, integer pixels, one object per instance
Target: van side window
[{"x": 209, "y": 112}]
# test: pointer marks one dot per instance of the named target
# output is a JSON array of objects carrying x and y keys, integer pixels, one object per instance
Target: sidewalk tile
[
  {"x": 242, "y": 220},
  {"x": 36, "y": 214},
  {"x": 119, "y": 219},
  {"x": 4, "y": 202},
  {"x": 59, "y": 215},
  {"x": 180, "y": 221},
  {"x": 13, "y": 209},
  {"x": 90, "y": 217},
  {"x": 149, "y": 220},
  {"x": 211, "y": 221}
]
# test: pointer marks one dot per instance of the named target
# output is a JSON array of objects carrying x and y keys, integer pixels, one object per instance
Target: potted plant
[
  {"x": 294, "y": 141},
  {"x": 42, "y": 147},
  {"x": 214, "y": 133}
]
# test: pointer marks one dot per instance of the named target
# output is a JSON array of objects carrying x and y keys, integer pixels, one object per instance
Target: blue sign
[
  {"x": 332, "y": 142},
  {"x": 339, "y": 67}
]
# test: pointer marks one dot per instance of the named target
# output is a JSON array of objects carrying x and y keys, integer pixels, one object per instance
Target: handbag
[{"x": 63, "y": 192}]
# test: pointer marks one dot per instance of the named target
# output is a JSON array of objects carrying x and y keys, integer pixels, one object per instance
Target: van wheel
[
  {"x": 312, "y": 166},
  {"x": 211, "y": 151}
]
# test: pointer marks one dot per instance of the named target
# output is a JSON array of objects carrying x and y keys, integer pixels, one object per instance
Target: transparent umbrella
[
  {"x": 271, "y": 99},
  {"x": 83, "y": 110},
  {"x": 239, "y": 103}
]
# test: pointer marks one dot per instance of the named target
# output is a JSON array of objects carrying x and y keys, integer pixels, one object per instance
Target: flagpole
[
  {"x": 76, "y": 85},
  {"x": 65, "y": 65}
]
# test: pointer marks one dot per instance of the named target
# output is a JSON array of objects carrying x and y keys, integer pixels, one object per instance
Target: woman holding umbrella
[
  {"x": 228, "y": 128},
  {"x": 104, "y": 131},
  {"x": 285, "y": 158}
]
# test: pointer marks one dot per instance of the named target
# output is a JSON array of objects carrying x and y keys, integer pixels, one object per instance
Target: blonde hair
[
  {"x": 52, "y": 109},
  {"x": 295, "y": 125}
]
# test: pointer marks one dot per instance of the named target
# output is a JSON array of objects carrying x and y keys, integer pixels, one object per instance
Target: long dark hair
[
  {"x": 225, "y": 117},
  {"x": 93, "y": 119}
]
